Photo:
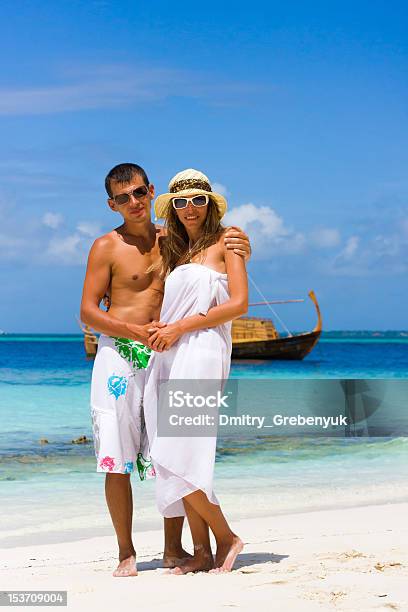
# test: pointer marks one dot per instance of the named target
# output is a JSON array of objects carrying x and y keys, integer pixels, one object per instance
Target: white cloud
[
  {"x": 220, "y": 188},
  {"x": 89, "y": 228},
  {"x": 325, "y": 237},
  {"x": 11, "y": 247},
  {"x": 266, "y": 229},
  {"x": 386, "y": 245},
  {"x": 119, "y": 86},
  {"x": 53, "y": 220},
  {"x": 72, "y": 249},
  {"x": 350, "y": 248},
  {"x": 66, "y": 98},
  {"x": 404, "y": 227},
  {"x": 367, "y": 255},
  {"x": 346, "y": 261},
  {"x": 66, "y": 250},
  {"x": 269, "y": 221}
]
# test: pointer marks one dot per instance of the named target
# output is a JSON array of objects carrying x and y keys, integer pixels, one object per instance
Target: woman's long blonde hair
[{"x": 175, "y": 246}]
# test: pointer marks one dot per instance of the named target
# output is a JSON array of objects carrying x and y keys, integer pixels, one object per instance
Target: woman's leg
[
  {"x": 203, "y": 558},
  {"x": 229, "y": 545}
]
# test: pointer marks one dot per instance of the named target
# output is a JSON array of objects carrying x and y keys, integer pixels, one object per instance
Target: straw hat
[{"x": 186, "y": 184}]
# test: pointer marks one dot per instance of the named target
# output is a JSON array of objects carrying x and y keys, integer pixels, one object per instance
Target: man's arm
[
  {"x": 97, "y": 281},
  {"x": 234, "y": 239}
]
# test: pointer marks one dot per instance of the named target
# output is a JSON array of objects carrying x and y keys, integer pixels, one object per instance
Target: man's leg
[
  {"x": 174, "y": 554},
  {"x": 115, "y": 393},
  {"x": 118, "y": 493}
]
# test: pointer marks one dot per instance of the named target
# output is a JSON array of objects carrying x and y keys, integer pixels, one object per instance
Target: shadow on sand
[
  {"x": 243, "y": 560},
  {"x": 247, "y": 559}
]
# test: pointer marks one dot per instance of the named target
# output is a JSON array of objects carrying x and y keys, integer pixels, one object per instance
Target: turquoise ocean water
[{"x": 52, "y": 492}]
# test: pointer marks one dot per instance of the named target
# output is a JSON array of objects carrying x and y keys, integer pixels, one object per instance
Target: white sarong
[{"x": 186, "y": 464}]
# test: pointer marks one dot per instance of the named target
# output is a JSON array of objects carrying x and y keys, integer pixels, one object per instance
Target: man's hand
[
  {"x": 155, "y": 325},
  {"x": 141, "y": 333},
  {"x": 162, "y": 339},
  {"x": 137, "y": 332},
  {"x": 238, "y": 241}
]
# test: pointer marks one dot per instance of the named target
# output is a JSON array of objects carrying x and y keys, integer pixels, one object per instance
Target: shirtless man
[{"x": 118, "y": 264}]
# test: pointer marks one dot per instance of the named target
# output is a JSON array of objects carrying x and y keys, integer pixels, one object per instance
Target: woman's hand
[{"x": 162, "y": 339}]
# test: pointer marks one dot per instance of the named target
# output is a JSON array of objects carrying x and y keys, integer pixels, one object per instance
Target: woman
[{"x": 205, "y": 288}]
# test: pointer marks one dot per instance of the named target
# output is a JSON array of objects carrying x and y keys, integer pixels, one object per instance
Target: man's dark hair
[{"x": 123, "y": 173}]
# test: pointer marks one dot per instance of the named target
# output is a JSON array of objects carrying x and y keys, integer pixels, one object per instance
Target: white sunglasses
[{"x": 198, "y": 200}]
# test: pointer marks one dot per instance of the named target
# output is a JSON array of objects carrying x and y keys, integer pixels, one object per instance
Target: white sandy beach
[{"x": 349, "y": 559}]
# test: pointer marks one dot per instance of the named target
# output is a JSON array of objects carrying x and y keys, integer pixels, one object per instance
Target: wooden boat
[
  {"x": 252, "y": 337},
  {"x": 90, "y": 340},
  {"x": 256, "y": 338}
]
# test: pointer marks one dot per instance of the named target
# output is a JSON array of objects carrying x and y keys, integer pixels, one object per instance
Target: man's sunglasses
[
  {"x": 138, "y": 194},
  {"x": 198, "y": 200}
]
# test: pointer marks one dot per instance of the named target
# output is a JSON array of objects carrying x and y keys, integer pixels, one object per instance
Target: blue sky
[{"x": 298, "y": 111}]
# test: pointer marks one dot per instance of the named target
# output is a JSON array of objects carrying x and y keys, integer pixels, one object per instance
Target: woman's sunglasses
[
  {"x": 124, "y": 198},
  {"x": 198, "y": 200}
]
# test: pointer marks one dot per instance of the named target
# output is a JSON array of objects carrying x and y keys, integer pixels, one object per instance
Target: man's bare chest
[{"x": 134, "y": 270}]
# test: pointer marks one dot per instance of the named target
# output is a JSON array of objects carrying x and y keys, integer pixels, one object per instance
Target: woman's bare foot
[
  {"x": 126, "y": 568},
  {"x": 175, "y": 558},
  {"x": 227, "y": 554},
  {"x": 198, "y": 563}
]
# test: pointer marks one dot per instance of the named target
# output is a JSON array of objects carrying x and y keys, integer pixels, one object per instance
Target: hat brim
[{"x": 163, "y": 201}]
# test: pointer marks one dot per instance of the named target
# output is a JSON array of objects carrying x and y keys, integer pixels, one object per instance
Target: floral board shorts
[{"x": 119, "y": 431}]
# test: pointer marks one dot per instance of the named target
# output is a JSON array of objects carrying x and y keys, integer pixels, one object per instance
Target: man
[{"x": 125, "y": 263}]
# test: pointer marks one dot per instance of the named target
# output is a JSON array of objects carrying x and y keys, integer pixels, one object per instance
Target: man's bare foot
[
  {"x": 126, "y": 568},
  {"x": 198, "y": 563},
  {"x": 226, "y": 555},
  {"x": 175, "y": 558}
]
